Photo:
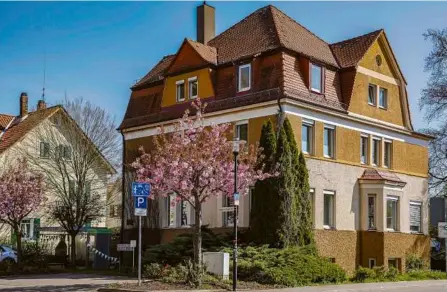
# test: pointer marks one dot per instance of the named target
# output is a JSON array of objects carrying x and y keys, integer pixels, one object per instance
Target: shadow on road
[{"x": 70, "y": 288}]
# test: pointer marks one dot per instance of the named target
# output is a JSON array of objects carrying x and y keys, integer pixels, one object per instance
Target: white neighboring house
[{"x": 24, "y": 133}]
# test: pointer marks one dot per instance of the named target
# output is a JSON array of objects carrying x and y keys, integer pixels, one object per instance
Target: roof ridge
[
  {"x": 308, "y": 30},
  {"x": 231, "y": 27},
  {"x": 275, "y": 23},
  {"x": 357, "y": 37}
]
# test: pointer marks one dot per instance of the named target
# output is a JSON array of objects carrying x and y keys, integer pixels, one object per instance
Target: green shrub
[
  {"x": 35, "y": 255},
  {"x": 152, "y": 271},
  {"x": 181, "y": 249},
  {"x": 413, "y": 262},
  {"x": 362, "y": 274},
  {"x": 392, "y": 273},
  {"x": 290, "y": 267}
]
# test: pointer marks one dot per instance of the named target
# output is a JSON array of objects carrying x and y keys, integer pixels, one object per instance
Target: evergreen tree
[
  {"x": 265, "y": 205},
  {"x": 305, "y": 200}
]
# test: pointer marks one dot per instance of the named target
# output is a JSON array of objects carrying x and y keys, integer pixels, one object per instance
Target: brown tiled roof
[
  {"x": 5, "y": 120},
  {"x": 349, "y": 52},
  {"x": 208, "y": 53},
  {"x": 19, "y": 128},
  {"x": 157, "y": 72},
  {"x": 267, "y": 29},
  {"x": 376, "y": 174}
]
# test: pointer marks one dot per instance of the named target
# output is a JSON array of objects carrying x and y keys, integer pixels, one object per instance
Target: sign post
[{"x": 141, "y": 192}]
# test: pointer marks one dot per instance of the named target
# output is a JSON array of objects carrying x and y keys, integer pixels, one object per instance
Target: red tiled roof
[
  {"x": 267, "y": 29},
  {"x": 349, "y": 52},
  {"x": 5, "y": 120},
  {"x": 376, "y": 174},
  {"x": 20, "y": 128},
  {"x": 208, "y": 53},
  {"x": 157, "y": 72}
]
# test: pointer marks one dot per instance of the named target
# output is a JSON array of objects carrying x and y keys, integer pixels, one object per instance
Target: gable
[
  {"x": 187, "y": 58},
  {"x": 378, "y": 49}
]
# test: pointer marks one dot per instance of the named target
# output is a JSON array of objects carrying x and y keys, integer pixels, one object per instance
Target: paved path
[
  {"x": 56, "y": 283},
  {"x": 419, "y": 286}
]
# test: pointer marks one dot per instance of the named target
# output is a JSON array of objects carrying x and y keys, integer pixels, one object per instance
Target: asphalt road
[{"x": 90, "y": 283}]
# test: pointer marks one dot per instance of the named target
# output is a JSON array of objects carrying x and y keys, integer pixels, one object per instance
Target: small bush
[
  {"x": 35, "y": 255},
  {"x": 286, "y": 267},
  {"x": 392, "y": 273},
  {"x": 362, "y": 274},
  {"x": 152, "y": 271},
  {"x": 413, "y": 262}
]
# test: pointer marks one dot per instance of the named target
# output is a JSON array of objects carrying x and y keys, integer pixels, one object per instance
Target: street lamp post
[{"x": 236, "y": 144}]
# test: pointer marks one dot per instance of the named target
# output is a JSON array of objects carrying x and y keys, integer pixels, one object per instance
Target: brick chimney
[
  {"x": 41, "y": 105},
  {"x": 23, "y": 104},
  {"x": 206, "y": 29}
]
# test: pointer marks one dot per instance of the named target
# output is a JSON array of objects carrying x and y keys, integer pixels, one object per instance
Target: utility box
[{"x": 217, "y": 263}]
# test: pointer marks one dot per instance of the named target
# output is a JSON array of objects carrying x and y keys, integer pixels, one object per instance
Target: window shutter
[{"x": 36, "y": 228}]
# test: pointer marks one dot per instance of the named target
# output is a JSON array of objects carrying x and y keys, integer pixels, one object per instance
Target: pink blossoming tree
[
  {"x": 21, "y": 192},
  {"x": 195, "y": 162}
]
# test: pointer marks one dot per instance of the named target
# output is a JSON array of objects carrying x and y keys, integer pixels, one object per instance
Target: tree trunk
[
  {"x": 73, "y": 250},
  {"x": 197, "y": 241},
  {"x": 19, "y": 247}
]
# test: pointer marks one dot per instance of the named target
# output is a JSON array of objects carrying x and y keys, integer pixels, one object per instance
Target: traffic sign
[
  {"x": 236, "y": 199},
  {"x": 226, "y": 209},
  {"x": 442, "y": 230},
  {"x": 140, "y": 202},
  {"x": 133, "y": 243},
  {"x": 141, "y": 189},
  {"x": 124, "y": 247}
]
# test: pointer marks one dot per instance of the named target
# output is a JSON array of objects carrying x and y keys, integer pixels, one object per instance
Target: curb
[{"x": 130, "y": 290}]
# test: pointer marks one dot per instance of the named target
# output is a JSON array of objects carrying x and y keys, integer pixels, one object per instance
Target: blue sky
[{"x": 97, "y": 50}]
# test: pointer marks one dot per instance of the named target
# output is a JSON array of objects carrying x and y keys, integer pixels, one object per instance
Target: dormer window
[
  {"x": 244, "y": 79},
  {"x": 180, "y": 90},
  {"x": 192, "y": 88},
  {"x": 316, "y": 78}
]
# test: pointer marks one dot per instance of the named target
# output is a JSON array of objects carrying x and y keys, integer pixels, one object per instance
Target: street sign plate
[
  {"x": 133, "y": 243},
  {"x": 141, "y": 189},
  {"x": 140, "y": 212},
  {"x": 140, "y": 202},
  {"x": 124, "y": 247},
  {"x": 226, "y": 209},
  {"x": 442, "y": 230}
]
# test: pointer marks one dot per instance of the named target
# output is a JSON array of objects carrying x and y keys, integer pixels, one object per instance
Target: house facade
[
  {"x": 348, "y": 106},
  {"x": 39, "y": 136}
]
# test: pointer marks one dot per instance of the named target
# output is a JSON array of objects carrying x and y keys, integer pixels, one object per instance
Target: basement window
[{"x": 244, "y": 77}]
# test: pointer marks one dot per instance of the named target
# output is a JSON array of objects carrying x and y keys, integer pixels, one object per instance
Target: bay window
[{"x": 392, "y": 213}]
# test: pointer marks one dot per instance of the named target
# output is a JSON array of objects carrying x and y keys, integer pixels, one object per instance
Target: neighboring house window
[
  {"x": 180, "y": 90},
  {"x": 312, "y": 205},
  {"x": 244, "y": 77},
  {"x": 391, "y": 213},
  {"x": 329, "y": 141},
  {"x": 371, "y": 263},
  {"x": 415, "y": 216},
  {"x": 372, "y": 94},
  {"x": 44, "y": 149},
  {"x": 316, "y": 78},
  {"x": 371, "y": 212},
  {"x": 193, "y": 87},
  {"x": 307, "y": 137},
  {"x": 375, "y": 151},
  {"x": 364, "y": 149},
  {"x": 387, "y": 154},
  {"x": 228, "y": 217},
  {"x": 26, "y": 228},
  {"x": 383, "y": 98},
  {"x": 329, "y": 209},
  {"x": 242, "y": 131}
]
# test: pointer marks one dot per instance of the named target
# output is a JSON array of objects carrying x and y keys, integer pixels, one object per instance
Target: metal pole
[
  {"x": 235, "y": 226},
  {"x": 139, "y": 250},
  {"x": 445, "y": 239},
  {"x": 133, "y": 260}
]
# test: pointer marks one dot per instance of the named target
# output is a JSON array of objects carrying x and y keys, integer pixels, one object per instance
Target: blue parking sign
[
  {"x": 140, "y": 202},
  {"x": 141, "y": 189}
]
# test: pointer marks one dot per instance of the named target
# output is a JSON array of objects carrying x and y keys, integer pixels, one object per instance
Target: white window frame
[
  {"x": 177, "y": 83},
  {"x": 374, "y": 140},
  {"x": 375, "y": 94},
  {"x": 321, "y": 78},
  {"x": 29, "y": 221},
  {"x": 311, "y": 124},
  {"x": 396, "y": 220},
  {"x": 386, "y": 98},
  {"x": 331, "y": 145},
  {"x": 364, "y": 136},
  {"x": 332, "y": 212},
  {"x": 241, "y": 89},
  {"x": 190, "y": 80},
  {"x": 371, "y": 261},
  {"x": 390, "y": 142},
  {"x": 374, "y": 196},
  {"x": 419, "y": 204},
  {"x": 236, "y": 129}
]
